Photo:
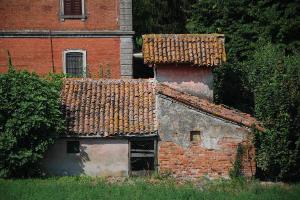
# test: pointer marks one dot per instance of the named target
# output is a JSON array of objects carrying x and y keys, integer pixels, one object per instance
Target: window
[
  {"x": 75, "y": 63},
  {"x": 195, "y": 136},
  {"x": 142, "y": 156},
  {"x": 73, "y": 147},
  {"x": 72, "y": 9}
]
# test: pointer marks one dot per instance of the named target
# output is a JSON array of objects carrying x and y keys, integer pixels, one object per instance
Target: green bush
[
  {"x": 30, "y": 118},
  {"x": 276, "y": 82}
]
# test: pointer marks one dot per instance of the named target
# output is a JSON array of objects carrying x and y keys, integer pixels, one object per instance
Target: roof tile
[
  {"x": 109, "y": 107},
  {"x": 208, "y": 107},
  {"x": 196, "y": 49}
]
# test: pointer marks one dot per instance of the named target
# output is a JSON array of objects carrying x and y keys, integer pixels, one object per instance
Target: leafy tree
[
  {"x": 159, "y": 16},
  {"x": 30, "y": 118},
  {"x": 276, "y": 82},
  {"x": 246, "y": 24}
]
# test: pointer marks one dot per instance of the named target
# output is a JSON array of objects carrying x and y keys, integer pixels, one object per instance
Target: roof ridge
[
  {"x": 220, "y": 110},
  {"x": 182, "y": 34}
]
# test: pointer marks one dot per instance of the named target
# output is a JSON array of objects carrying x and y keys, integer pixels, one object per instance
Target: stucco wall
[
  {"x": 192, "y": 79},
  {"x": 97, "y": 157},
  {"x": 213, "y": 155}
]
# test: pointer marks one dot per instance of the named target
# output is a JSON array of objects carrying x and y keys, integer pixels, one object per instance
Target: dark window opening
[
  {"x": 142, "y": 157},
  {"x": 72, "y": 7},
  {"x": 195, "y": 136},
  {"x": 144, "y": 164},
  {"x": 74, "y": 64},
  {"x": 141, "y": 70},
  {"x": 73, "y": 147}
]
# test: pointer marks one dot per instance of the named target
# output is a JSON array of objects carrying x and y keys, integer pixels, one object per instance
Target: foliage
[
  {"x": 245, "y": 24},
  {"x": 30, "y": 117},
  {"x": 236, "y": 171},
  {"x": 97, "y": 188},
  {"x": 276, "y": 82},
  {"x": 159, "y": 16}
]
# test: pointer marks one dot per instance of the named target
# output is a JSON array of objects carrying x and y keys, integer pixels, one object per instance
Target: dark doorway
[{"x": 142, "y": 157}]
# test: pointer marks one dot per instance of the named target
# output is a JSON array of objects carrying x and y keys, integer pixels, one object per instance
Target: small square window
[
  {"x": 195, "y": 136},
  {"x": 73, "y": 147}
]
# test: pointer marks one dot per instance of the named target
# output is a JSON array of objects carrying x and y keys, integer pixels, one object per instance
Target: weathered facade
[
  {"x": 123, "y": 127},
  {"x": 194, "y": 142},
  {"x": 51, "y": 35}
]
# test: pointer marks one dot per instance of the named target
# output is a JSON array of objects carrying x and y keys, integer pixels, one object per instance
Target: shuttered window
[
  {"x": 73, "y": 7},
  {"x": 74, "y": 64}
]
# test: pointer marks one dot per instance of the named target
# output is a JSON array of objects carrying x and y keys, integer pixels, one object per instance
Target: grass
[{"x": 138, "y": 188}]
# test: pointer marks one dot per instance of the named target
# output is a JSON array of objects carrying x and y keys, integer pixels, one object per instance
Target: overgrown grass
[{"x": 137, "y": 188}]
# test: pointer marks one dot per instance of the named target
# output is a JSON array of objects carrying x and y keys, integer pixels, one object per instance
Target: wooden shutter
[{"x": 72, "y": 7}]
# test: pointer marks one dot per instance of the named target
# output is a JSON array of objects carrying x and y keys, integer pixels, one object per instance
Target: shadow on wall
[{"x": 57, "y": 160}]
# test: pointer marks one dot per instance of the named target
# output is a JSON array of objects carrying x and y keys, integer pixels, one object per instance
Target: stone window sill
[{"x": 81, "y": 17}]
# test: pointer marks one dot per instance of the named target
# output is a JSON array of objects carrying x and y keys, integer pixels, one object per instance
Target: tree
[
  {"x": 159, "y": 16},
  {"x": 30, "y": 119},
  {"x": 246, "y": 24},
  {"x": 276, "y": 82}
]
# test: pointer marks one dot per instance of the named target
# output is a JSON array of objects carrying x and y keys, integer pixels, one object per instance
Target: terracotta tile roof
[
  {"x": 109, "y": 107},
  {"x": 208, "y": 107},
  {"x": 196, "y": 49}
]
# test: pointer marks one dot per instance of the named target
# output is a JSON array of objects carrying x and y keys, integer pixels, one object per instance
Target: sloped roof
[
  {"x": 109, "y": 107},
  {"x": 195, "y": 49},
  {"x": 211, "y": 108}
]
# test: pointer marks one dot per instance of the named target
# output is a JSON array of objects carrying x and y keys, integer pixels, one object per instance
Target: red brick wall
[
  {"x": 196, "y": 161},
  {"x": 34, "y": 54},
  {"x": 44, "y": 14}
]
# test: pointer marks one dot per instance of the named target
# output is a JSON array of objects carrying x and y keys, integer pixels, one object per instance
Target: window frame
[
  {"x": 83, "y": 16},
  {"x": 133, "y": 154},
  {"x": 84, "y": 60}
]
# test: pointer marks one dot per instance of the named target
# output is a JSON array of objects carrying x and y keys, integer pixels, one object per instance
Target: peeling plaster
[{"x": 177, "y": 120}]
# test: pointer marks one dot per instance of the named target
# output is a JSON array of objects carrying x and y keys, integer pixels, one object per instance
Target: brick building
[
  {"x": 88, "y": 38},
  {"x": 134, "y": 126}
]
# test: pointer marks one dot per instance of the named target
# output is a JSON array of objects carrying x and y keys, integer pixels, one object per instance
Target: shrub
[
  {"x": 276, "y": 82},
  {"x": 30, "y": 118}
]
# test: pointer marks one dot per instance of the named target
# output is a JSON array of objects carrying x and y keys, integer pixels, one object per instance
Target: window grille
[{"x": 74, "y": 64}]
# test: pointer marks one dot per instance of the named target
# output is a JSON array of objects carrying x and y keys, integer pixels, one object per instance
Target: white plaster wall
[{"x": 97, "y": 157}]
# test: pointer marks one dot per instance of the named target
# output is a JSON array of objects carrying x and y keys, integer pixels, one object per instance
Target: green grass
[{"x": 137, "y": 188}]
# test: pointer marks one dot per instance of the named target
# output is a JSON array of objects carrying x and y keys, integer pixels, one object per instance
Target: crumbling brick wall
[{"x": 213, "y": 155}]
